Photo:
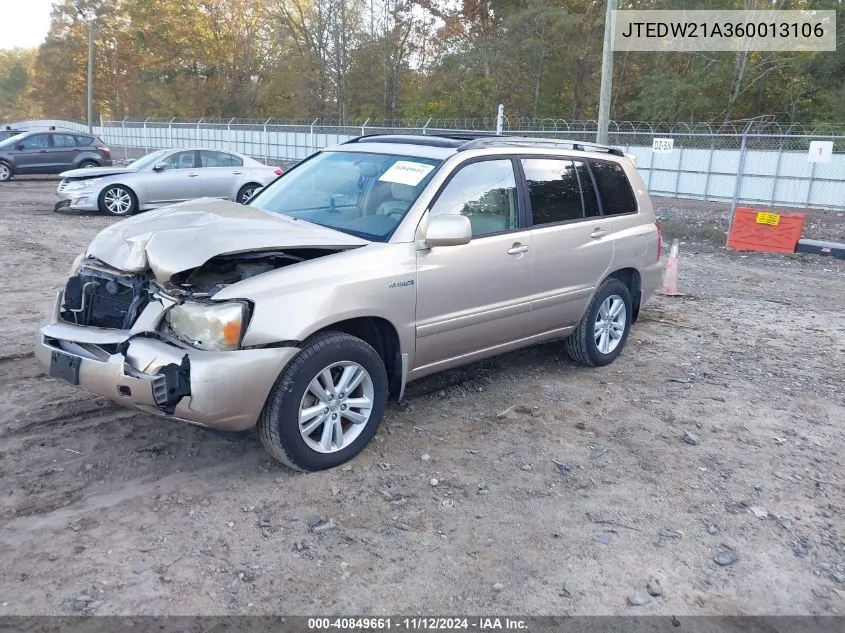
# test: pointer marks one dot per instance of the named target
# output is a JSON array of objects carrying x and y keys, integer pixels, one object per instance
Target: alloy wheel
[
  {"x": 117, "y": 201},
  {"x": 610, "y": 324},
  {"x": 336, "y": 407}
]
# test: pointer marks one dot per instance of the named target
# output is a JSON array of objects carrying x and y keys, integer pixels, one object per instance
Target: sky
[{"x": 24, "y": 23}]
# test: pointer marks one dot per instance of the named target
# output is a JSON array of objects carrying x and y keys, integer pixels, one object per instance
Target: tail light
[
  {"x": 279, "y": 172},
  {"x": 659, "y": 240},
  {"x": 103, "y": 148}
]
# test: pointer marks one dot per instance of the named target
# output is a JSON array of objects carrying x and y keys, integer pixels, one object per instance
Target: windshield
[
  {"x": 152, "y": 157},
  {"x": 362, "y": 194},
  {"x": 12, "y": 140}
]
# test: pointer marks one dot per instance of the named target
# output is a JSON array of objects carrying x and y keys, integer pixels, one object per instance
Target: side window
[
  {"x": 588, "y": 190},
  {"x": 615, "y": 191},
  {"x": 553, "y": 190},
  {"x": 63, "y": 140},
  {"x": 485, "y": 192},
  {"x": 180, "y": 160},
  {"x": 39, "y": 141},
  {"x": 218, "y": 159},
  {"x": 84, "y": 140}
]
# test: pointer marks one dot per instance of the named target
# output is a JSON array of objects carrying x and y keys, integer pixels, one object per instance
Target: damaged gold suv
[{"x": 367, "y": 265}]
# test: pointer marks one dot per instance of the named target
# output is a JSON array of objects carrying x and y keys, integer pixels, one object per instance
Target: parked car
[
  {"x": 8, "y": 132},
  {"x": 164, "y": 177},
  {"x": 50, "y": 153},
  {"x": 365, "y": 266}
]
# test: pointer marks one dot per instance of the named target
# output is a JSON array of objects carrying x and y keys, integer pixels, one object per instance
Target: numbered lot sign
[
  {"x": 662, "y": 145},
  {"x": 820, "y": 151}
]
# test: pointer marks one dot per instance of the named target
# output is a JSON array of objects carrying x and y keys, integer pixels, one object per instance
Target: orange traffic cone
[{"x": 670, "y": 274}]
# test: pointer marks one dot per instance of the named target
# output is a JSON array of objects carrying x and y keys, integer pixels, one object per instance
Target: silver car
[{"x": 162, "y": 178}]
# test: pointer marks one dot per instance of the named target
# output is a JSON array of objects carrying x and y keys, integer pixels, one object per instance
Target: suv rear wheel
[
  {"x": 326, "y": 405},
  {"x": 5, "y": 171},
  {"x": 603, "y": 330}
]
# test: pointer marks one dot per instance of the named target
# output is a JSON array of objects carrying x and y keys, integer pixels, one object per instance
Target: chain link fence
[{"x": 756, "y": 162}]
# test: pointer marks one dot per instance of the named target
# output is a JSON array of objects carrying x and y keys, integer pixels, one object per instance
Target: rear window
[
  {"x": 84, "y": 140},
  {"x": 210, "y": 158},
  {"x": 553, "y": 190},
  {"x": 63, "y": 140},
  {"x": 615, "y": 191}
]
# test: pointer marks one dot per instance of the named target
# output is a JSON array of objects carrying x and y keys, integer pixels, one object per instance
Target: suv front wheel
[
  {"x": 326, "y": 405},
  {"x": 603, "y": 330}
]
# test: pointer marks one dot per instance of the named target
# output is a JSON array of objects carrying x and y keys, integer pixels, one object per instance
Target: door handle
[
  {"x": 597, "y": 233},
  {"x": 192, "y": 175},
  {"x": 237, "y": 173},
  {"x": 517, "y": 248}
]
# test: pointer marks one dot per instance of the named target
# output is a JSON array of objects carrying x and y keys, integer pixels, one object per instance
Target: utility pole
[
  {"x": 606, "y": 75},
  {"x": 90, "y": 74}
]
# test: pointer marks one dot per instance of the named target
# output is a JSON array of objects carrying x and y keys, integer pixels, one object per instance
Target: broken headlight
[
  {"x": 209, "y": 326},
  {"x": 76, "y": 265}
]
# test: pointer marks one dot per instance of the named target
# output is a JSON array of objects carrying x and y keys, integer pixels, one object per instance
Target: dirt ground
[{"x": 560, "y": 490}]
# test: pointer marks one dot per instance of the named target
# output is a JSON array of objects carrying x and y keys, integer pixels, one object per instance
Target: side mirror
[
  {"x": 160, "y": 166},
  {"x": 19, "y": 146},
  {"x": 448, "y": 230}
]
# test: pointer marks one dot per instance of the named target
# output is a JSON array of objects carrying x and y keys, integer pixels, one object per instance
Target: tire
[
  {"x": 583, "y": 345},
  {"x": 86, "y": 164},
  {"x": 5, "y": 171},
  {"x": 279, "y": 426},
  {"x": 246, "y": 192},
  {"x": 125, "y": 201}
]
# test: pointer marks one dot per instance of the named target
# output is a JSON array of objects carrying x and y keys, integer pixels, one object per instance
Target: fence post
[
  {"x": 198, "y": 129},
  {"x": 680, "y": 169},
  {"x": 123, "y": 135},
  {"x": 311, "y": 142},
  {"x": 146, "y": 140},
  {"x": 810, "y": 186},
  {"x": 266, "y": 142},
  {"x": 364, "y": 125},
  {"x": 709, "y": 169},
  {"x": 738, "y": 182},
  {"x": 777, "y": 173},
  {"x": 229, "y": 132},
  {"x": 500, "y": 119},
  {"x": 426, "y": 125},
  {"x": 170, "y": 131}
]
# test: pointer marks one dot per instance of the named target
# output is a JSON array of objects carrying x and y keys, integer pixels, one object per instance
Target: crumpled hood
[
  {"x": 96, "y": 172},
  {"x": 184, "y": 236}
]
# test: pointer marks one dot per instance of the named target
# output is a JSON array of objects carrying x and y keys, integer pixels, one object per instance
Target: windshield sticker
[{"x": 406, "y": 172}]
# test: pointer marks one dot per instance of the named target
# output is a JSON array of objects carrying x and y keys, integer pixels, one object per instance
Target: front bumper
[
  {"x": 80, "y": 199},
  {"x": 223, "y": 390}
]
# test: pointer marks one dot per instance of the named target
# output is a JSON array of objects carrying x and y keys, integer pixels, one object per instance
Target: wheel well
[
  {"x": 631, "y": 278},
  {"x": 379, "y": 334}
]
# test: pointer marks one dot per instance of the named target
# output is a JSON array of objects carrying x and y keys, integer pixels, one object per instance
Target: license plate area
[{"x": 65, "y": 367}]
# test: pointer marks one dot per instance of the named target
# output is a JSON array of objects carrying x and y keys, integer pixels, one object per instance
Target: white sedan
[{"x": 162, "y": 178}]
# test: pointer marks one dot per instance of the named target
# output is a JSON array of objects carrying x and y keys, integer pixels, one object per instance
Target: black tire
[
  {"x": 85, "y": 164},
  {"x": 103, "y": 204},
  {"x": 5, "y": 171},
  {"x": 581, "y": 344},
  {"x": 278, "y": 425},
  {"x": 246, "y": 192}
]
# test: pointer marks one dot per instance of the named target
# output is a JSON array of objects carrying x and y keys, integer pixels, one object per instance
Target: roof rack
[
  {"x": 526, "y": 141},
  {"x": 477, "y": 140},
  {"x": 413, "y": 139}
]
